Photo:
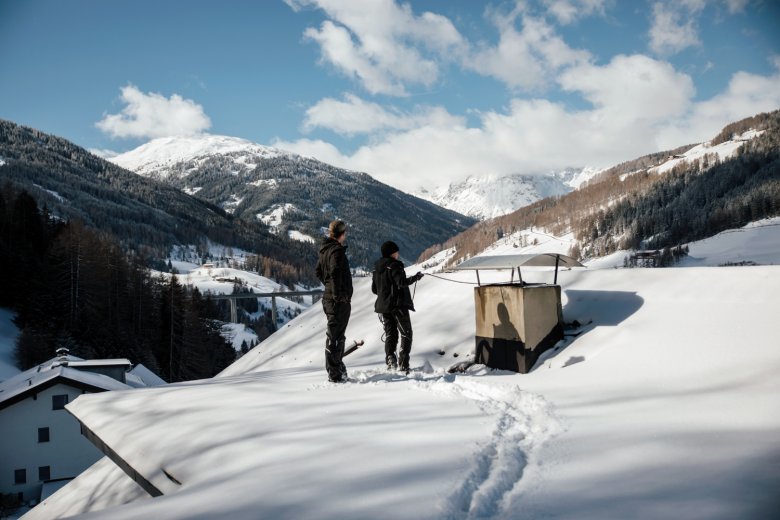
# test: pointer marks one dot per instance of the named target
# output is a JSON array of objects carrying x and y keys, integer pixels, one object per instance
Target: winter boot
[{"x": 392, "y": 363}]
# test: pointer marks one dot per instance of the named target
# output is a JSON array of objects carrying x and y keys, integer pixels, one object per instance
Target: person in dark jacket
[
  {"x": 333, "y": 271},
  {"x": 393, "y": 303}
]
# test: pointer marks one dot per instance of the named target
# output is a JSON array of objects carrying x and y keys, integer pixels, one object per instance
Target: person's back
[
  {"x": 389, "y": 285},
  {"x": 333, "y": 271},
  {"x": 393, "y": 303}
]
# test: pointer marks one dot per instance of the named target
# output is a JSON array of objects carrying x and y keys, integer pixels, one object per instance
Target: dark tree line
[
  {"x": 689, "y": 204},
  {"x": 75, "y": 287}
]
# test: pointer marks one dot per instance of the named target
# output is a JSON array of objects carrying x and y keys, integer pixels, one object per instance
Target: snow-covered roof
[
  {"x": 647, "y": 412},
  {"x": 99, "y": 363},
  {"x": 512, "y": 261},
  {"x": 140, "y": 376},
  {"x": 50, "y": 372}
]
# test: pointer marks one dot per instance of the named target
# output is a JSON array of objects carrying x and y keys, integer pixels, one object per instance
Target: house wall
[{"x": 67, "y": 453}]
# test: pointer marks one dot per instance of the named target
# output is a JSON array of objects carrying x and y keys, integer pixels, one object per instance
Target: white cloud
[
  {"x": 354, "y": 116},
  {"x": 151, "y": 115},
  {"x": 631, "y": 88},
  {"x": 746, "y": 95},
  {"x": 569, "y": 11},
  {"x": 525, "y": 59},
  {"x": 736, "y": 6},
  {"x": 674, "y": 26},
  {"x": 387, "y": 48},
  {"x": 382, "y": 44},
  {"x": 638, "y": 104}
]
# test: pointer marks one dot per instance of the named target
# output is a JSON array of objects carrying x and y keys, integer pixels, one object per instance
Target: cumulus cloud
[
  {"x": 631, "y": 88},
  {"x": 354, "y": 115},
  {"x": 383, "y": 45},
  {"x": 674, "y": 26},
  {"x": 633, "y": 104},
  {"x": 151, "y": 115},
  {"x": 638, "y": 105},
  {"x": 746, "y": 95},
  {"x": 387, "y": 48},
  {"x": 569, "y": 11},
  {"x": 524, "y": 59}
]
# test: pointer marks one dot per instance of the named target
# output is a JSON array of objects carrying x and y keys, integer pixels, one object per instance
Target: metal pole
[
  {"x": 478, "y": 282},
  {"x": 557, "y": 259},
  {"x": 233, "y": 311}
]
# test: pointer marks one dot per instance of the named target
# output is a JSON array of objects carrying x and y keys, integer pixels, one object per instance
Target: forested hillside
[
  {"x": 296, "y": 195},
  {"x": 635, "y": 205},
  {"x": 75, "y": 287},
  {"x": 146, "y": 216}
]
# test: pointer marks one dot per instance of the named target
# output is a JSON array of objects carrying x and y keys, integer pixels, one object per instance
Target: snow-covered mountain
[
  {"x": 180, "y": 156},
  {"x": 492, "y": 196},
  {"x": 294, "y": 196}
]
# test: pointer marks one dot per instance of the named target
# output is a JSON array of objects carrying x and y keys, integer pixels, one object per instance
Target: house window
[
  {"x": 44, "y": 473},
  {"x": 43, "y": 434},
  {"x": 20, "y": 476},
  {"x": 58, "y": 402}
]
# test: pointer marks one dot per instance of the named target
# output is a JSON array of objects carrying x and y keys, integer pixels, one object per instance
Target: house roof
[
  {"x": 140, "y": 376},
  {"x": 99, "y": 363},
  {"x": 51, "y": 372}
]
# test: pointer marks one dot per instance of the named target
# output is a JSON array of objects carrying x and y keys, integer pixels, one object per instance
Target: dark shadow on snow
[{"x": 591, "y": 309}]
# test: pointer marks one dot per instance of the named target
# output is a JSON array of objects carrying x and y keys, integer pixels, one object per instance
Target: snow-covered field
[
  {"x": 666, "y": 406},
  {"x": 221, "y": 280}
]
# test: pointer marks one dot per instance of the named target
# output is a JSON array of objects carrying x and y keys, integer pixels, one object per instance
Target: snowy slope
[
  {"x": 664, "y": 407},
  {"x": 492, "y": 196},
  {"x": 705, "y": 153},
  {"x": 157, "y": 156},
  {"x": 221, "y": 280}
]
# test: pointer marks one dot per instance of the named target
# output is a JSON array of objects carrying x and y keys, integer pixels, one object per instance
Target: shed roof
[{"x": 512, "y": 261}]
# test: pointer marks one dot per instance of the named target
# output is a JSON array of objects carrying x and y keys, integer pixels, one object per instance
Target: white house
[{"x": 41, "y": 441}]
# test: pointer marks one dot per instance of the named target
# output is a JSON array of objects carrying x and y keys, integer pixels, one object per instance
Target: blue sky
[{"x": 415, "y": 93}]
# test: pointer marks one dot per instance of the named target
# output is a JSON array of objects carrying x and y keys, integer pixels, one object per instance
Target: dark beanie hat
[{"x": 388, "y": 248}]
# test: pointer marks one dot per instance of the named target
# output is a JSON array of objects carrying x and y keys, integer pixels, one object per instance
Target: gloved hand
[{"x": 418, "y": 276}]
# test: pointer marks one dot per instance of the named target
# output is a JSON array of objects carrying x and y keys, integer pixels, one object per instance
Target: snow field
[{"x": 665, "y": 406}]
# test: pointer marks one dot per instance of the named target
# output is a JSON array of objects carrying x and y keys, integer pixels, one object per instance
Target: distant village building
[{"x": 42, "y": 447}]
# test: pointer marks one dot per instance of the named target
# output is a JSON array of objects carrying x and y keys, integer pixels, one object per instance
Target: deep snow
[{"x": 666, "y": 406}]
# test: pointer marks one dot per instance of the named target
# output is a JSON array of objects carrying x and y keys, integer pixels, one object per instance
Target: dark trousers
[
  {"x": 338, "y": 318},
  {"x": 398, "y": 323}
]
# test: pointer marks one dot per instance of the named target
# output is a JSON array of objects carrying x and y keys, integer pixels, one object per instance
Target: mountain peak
[
  {"x": 165, "y": 152},
  {"x": 491, "y": 196}
]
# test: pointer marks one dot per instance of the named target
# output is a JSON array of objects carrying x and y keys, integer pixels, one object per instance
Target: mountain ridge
[
  {"x": 659, "y": 200},
  {"x": 295, "y": 196},
  {"x": 491, "y": 196}
]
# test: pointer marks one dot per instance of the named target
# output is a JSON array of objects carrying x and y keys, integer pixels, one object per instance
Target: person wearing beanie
[
  {"x": 333, "y": 271},
  {"x": 393, "y": 303}
]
